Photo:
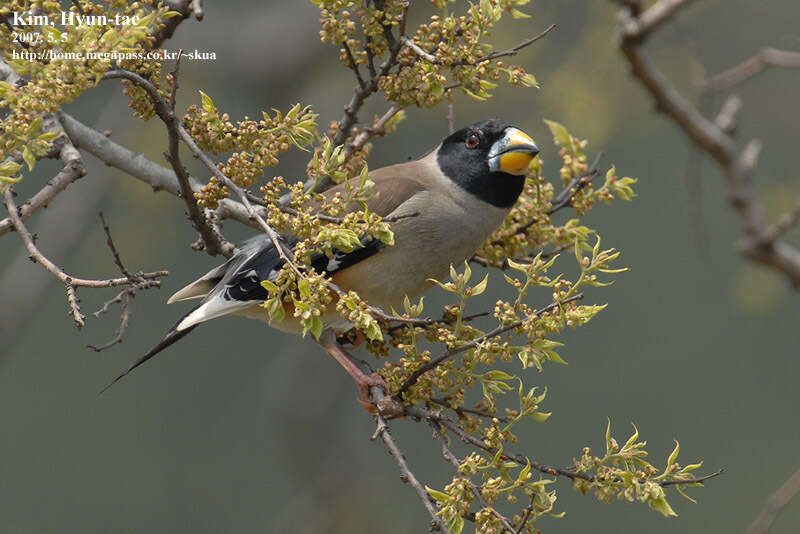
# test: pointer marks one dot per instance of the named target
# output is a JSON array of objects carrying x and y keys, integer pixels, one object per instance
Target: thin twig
[
  {"x": 451, "y": 118},
  {"x": 751, "y": 67},
  {"x": 510, "y": 52},
  {"x": 197, "y": 9},
  {"x": 123, "y": 324},
  {"x": 785, "y": 223},
  {"x": 576, "y": 184},
  {"x": 413, "y": 377},
  {"x": 463, "y": 412},
  {"x": 214, "y": 243},
  {"x": 168, "y": 26},
  {"x": 737, "y": 165},
  {"x": 476, "y": 492},
  {"x": 70, "y": 282},
  {"x": 775, "y": 503},
  {"x": 406, "y": 475},
  {"x": 520, "y": 459},
  {"x": 158, "y": 177},
  {"x": 114, "y": 252},
  {"x": 62, "y": 148},
  {"x": 354, "y": 65}
]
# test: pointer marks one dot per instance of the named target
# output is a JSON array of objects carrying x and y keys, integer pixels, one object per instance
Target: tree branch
[
  {"x": 138, "y": 166},
  {"x": 751, "y": 67},
  {"x": 214, "y": 243},
  {"x": 69, "y": 281},
  {"x": 72, "y": 170},
  {"x": 568, "y": 193},
  {"x": 511, "y": 51},
  {"x": 450, "y": 457},
  {"x": 382, "y": 431},
  {"x": 775, "y": 503},
  {"x": 737, "y": 166}
]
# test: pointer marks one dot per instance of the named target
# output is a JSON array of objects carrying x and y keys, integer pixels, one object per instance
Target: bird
[{"x": 444, "y": 206}]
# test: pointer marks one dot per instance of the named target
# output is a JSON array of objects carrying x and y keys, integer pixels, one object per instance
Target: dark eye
[{"x": 472, "y": 141}]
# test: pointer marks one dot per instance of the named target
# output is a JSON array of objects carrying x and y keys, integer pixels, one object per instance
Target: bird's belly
[{"x": 386, "y": 278}]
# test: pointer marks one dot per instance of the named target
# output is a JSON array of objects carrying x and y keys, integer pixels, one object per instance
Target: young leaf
[{"x": 208, "y": 104}]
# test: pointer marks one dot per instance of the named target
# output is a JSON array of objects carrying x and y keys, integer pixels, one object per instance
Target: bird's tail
[{"x": 171, "y": 337}]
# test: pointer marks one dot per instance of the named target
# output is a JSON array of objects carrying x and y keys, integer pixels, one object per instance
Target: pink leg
[{"x": 363, "y": 380}]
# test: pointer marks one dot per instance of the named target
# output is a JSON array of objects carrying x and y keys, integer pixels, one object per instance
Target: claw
[{"x": 363, "y": 388}]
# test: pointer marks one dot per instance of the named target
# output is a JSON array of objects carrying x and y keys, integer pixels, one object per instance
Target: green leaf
[
  {"x": 208, "y": 104},
  {"x": 561, "y": 136},
  {"x": 316, "y": 327},
  {"x": 680, "y": 490},
  {"x": 497, "y": 374},
  {"x": 304, "y": 287},
  {"x": 29, "y": 158},
  {"x": 661, "y": 505},
  {"x": 632, "y": 439},
  {"x": 49, "y": 136},
  {"x": 523, "y": 475},
  {"x": 674, "y": 455},
  {"x": 481, "y": 286},
  {"x": 473, "y": 95},
  {"x": 456, "y": 524},
  {"x": 691, "y": 467},
  {"x": 578, "y": 255},
  {"x": 270, "y": 286},
  {"x": 555, "y": 358},
  {"x": 373, "y": 331},
  {"x": 541, "y": 417},
  {"x": 34, "y": 126},
  {"x": 292, "y": 114},
  {"x": 437, "y": 495},
  {"x": 275, "y": 308},
  {"x": 447, "y": 287},
  {"x": 517, "y": 14},
  {"x": 384, "y": 235},
  {"x": 9, "y": 168},
  {"x": 5, "y": 87},
  {"x": 529, "y": 80}
]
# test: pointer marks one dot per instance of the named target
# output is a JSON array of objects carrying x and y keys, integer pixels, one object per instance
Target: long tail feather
[{"x": 172, "y": 336}]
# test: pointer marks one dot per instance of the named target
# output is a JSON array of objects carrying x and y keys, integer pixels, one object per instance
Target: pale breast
[{"x": 450, "y": 226}]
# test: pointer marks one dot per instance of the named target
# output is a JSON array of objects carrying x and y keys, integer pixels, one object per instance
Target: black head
[{"x": 489, "y": 159}]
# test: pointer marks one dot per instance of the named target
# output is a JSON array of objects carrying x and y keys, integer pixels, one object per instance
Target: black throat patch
[{"x": 469, "y": 167}]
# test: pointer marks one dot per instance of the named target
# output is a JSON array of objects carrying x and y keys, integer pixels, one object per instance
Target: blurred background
[{"x": 239, "y": 428}]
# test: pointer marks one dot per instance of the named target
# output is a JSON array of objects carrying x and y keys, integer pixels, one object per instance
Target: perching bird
[{"x": 444, "y": 205}]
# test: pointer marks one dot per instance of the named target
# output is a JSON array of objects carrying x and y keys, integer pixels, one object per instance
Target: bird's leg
[
  {"x": 360, "y": 338},
  {"x": 363, "y": 381}
]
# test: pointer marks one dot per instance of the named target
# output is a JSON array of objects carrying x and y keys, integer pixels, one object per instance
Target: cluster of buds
[{"x": 52, "y": 77}]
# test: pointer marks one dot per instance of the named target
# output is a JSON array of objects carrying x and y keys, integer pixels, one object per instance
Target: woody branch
[{"x": 761, "y": 242}]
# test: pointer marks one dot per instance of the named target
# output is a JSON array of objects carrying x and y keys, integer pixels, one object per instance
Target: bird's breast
[{"x": 448, "y": 228}]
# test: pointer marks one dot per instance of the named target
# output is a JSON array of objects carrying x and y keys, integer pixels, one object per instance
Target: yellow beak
[{"x": 512, "y": 153}]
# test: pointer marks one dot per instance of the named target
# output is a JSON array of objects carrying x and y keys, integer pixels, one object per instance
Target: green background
[{"x": 239, "y": 428}]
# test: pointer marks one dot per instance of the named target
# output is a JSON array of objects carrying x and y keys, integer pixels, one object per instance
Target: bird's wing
[
  {"x": 203, "y": 285},
  {"x": 393, "y": 186},
  {"x": 240, "y": 283},
  {"x": 237, "y": 284}
]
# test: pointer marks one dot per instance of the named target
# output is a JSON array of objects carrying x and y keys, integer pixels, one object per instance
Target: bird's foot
[
  {"x": 382, "y": 403},
  {"x": 364, "y": 384}
]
